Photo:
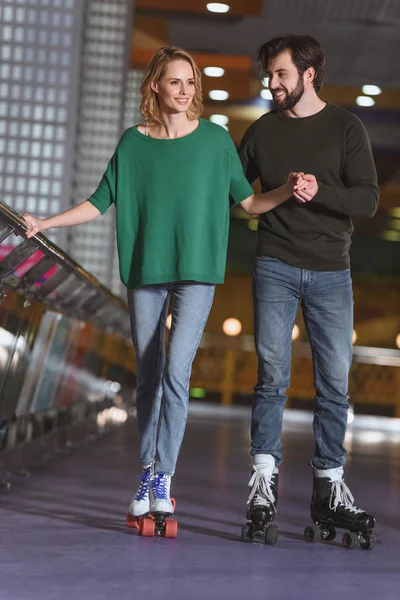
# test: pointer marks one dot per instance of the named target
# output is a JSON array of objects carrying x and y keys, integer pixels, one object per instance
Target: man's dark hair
[{"x": 306, "y": 52}]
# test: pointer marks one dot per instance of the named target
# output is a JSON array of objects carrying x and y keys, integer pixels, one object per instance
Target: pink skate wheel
[
  {"x": 132, "y": 521},
  {"x": 147, "y": 527},
  {"x": 171, "y": 528}
]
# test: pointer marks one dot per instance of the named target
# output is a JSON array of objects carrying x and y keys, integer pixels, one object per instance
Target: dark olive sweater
[{"x": 332, "y": 145}]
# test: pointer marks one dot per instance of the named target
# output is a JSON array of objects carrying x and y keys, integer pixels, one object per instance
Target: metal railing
[
  {"x": 69, "y": 289},
  {"x": 66, "y": 356}
]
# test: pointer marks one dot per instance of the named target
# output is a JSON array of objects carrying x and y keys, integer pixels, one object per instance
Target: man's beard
[{"x": 292, "y": 98}]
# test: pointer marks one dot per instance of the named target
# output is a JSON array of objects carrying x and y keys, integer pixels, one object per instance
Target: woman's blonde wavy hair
[{"x": 150, "y": 107}]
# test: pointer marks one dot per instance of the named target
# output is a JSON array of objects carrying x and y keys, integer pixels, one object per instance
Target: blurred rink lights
[
  {"x": 365, "y": 101},
  {"x": 252, "y": 224},
  {"x": 391, "y": 236},
  {"x": 295, "y": 332},
  {"x": 168, "y": 322},
  {"x": 219, "y": 95},
  {"x": 197, "y": 393},
  {"x": 266, "y": 94},
  {"x": 218, "y": 7},
  {"x": 355, "y": 336},
  {"x": 371, "y": 90},
  {"x": 232, "y": 326},
  {"x": 219, "y": 119},
  {"x": 113, "y": 415},
  {"x": 214, "y": 71}
]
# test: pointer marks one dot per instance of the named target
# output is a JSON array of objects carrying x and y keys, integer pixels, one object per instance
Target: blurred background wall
[{"x": 70, "y": 75}]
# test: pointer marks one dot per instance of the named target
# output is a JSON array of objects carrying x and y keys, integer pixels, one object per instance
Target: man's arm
[
  {"x": 360, "y": 194},
  {"x": 246, "y": 155}
]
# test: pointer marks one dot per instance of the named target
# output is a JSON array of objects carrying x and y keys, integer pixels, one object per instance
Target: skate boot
[
  {"x": 261, "y": 503},
  {"x": 140, "y": 504},
  {"x": 162, "y": 507},
  {"x": 332, "y": 506}
]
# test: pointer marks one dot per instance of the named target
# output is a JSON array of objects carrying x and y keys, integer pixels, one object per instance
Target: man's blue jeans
[
  {"x": 326, "y": 298},
  {"x": 162, "y": 396}
]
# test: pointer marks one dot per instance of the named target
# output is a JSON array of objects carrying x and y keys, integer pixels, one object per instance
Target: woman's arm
[
  {"x": 82, "y": 213},
  {"x": 257, "y": 204}
]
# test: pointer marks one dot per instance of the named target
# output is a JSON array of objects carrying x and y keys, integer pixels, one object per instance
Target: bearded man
[{"x": 303, "y": 258}]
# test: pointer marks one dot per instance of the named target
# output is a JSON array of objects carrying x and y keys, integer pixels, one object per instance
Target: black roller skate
[
  {"x": 332, "y": 506},
  {"x": 261, "y": 503}
]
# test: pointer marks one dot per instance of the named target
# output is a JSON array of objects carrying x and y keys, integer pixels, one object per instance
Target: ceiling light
[
  {"x": 398, "y": 341},
  {"x": 219, "y": 119},
  {"x": 355, "y": 336},
  {"x": 295, "y": 332},
  {"x": 218, "y": 7},
  {"x": 265, "y": 81},
  {"x": 365, "y": 101},
  {"x": 218, "y": 95},
  {"x": 266, "y": 94},
  {"x": 214, "y": 71},
  {"x": 371, "y": 90}
]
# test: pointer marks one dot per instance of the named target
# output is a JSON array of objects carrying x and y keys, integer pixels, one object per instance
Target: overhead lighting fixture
[
  {"x": 371, "y": 90},
  {"x": 266, "y": 94},
  {"x": 365, "y": 101},
  {"x": 219, "y": 119},
  {"x": 398, "y": 341},
  {"x": 219, "y": 95},
  {"x": 218, "y": 7},
  {"x": 214, "y": 71},
  {"x": 355, "y": 336},
  {"x": 295, "y": 332}
]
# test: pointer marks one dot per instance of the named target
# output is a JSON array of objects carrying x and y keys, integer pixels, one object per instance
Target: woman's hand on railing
[{"x": 34, "y": 225}]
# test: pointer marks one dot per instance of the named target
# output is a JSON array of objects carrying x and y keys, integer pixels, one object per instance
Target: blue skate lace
[
  {"x": 159, "y": 487},
  {"x": 144, "y": 484}
]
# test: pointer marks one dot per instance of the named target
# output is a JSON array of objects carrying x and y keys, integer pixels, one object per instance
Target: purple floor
[{"x": 63, "y": 536}]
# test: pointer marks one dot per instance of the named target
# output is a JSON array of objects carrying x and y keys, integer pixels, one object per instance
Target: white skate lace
[
  {"x": 341, "y": 495},
  {"x": 261, "y": 490}
]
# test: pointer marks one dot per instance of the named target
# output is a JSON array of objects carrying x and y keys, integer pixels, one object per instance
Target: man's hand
[
  {"x": 305, "y": 187},
  {"x": 34, "y": 225}
]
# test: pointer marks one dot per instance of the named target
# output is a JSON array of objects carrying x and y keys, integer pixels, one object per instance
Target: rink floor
[{"x": 63, "y": 534}]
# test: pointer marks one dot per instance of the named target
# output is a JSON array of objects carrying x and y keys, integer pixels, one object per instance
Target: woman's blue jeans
[{"x": 162, "y": 397}]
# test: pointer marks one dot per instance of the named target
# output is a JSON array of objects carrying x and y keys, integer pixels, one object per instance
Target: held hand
[
  {"x": 33, "y": 224},
  {"x": 296, "y": 182},
  {"x": 307, "y": 189}
]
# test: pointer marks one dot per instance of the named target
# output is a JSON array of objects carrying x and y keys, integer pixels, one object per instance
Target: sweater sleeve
[
  {"x": 105, "y": 194},
  {"x": 246, "y": 154},
  {"x": 360, "y": 193}
]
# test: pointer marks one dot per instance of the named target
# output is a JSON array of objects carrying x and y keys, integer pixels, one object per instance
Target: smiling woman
[{"x": 169, "y": 179}]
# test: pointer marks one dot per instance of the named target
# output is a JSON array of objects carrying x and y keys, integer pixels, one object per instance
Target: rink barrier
[
  {"x": 66, "y": 357},
  {"x": 228, "y": 366}
]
